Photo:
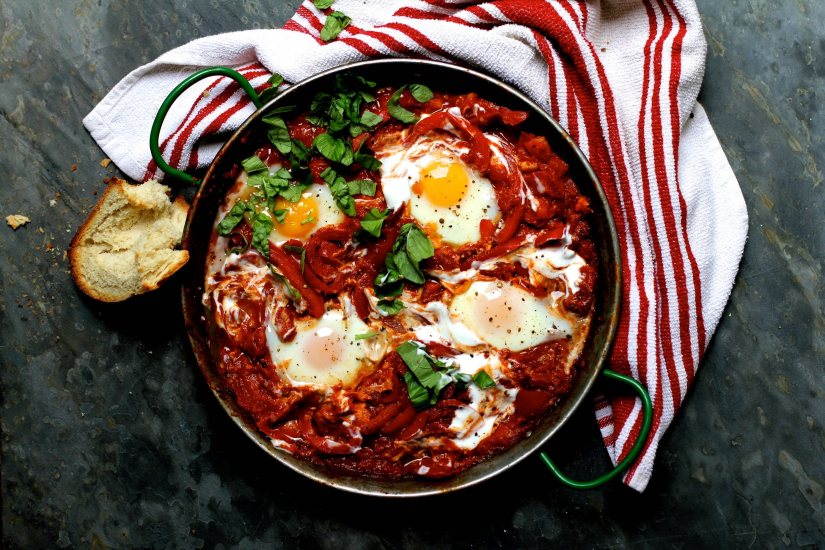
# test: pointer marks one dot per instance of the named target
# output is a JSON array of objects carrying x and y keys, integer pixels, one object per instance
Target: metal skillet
[{"x": 448, "y": 78}]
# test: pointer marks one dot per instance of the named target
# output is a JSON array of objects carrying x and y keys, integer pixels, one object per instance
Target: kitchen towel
[{"x": 621, "y": 76}]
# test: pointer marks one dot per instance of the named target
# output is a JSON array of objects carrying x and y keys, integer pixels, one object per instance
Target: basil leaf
[
  {"x": 254, "y": 164},
  {"x": 406, "y": 268},
  {"x": 298, "y": 250},
  {"x": 390, "y": 307},
  {"x": 334, "y": 24},
  {"x": 292, "y": 193},
  {"x": 348, "y": 156},
  {"x": 278, "y": 133},
  {"x": 397, "y": 111},
  {"x": 299, "y": 154},
  {"x": 374, "y": 220},
  {"x": 483, "y": 380},
  {"x": 330, "y": 147},
  {"x": 279, "y": 111},
  {"x": 418, "y": 246},
  {"x": 368, "y": 161},
  {"x": 279, "y": 214},
  {"x": 272, "y": 186},
  {"x": 426, "y": 370},
  {"x": 323, "y": 4},
  {"x": 291, "y": 290},
  {"x": 370, "y": 119},
  {"x": 362, "y": 187},
  {"x": 421, "y": 93},
  {"x": 308, "y": 219},
  {"x": 283, "y": 173},
  {"x": 410, "y": 248},
  {"x": 232, "y": 218},
  {"x": 261, "y": 228},
  {"x": 329, "y": 175},
  {"x": 419, "y": 395},
  {"x": 367, "y": 335},
  {"x": 356, "y": 130},
  {"x": 275, "y": 80},
  {"x": 273, "y": 116}
]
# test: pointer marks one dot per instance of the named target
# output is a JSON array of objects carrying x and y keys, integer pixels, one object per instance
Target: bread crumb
[
  {"x": 17, "y": 220},
  {"x": 105, "y": 163}
]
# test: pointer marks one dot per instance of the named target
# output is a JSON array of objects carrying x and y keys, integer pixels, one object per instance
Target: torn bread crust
[
  {"x": 127, "y": 244},
  {"x": 17, "y": 220}
]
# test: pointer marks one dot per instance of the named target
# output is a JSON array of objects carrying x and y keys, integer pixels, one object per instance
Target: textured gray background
[{"x": 110, "y": 437}]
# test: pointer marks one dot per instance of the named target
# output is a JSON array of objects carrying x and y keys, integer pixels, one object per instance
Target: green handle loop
[
  {"x": 154, "y": 136},
  {"x": 647, "y": 419}
]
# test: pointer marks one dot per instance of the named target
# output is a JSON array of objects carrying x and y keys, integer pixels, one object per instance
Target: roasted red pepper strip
[
  {"x": 511, "y": 223},
  {"x": 322, "y": 444},
  {"x": 291, "y": 269},
  {"x": 479, "y": 154}
]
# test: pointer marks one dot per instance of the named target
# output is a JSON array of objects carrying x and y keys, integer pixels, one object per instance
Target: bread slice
[{"x": 127, "y": 244}]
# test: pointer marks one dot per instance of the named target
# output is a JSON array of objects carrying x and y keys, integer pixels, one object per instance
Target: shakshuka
[{"x": 401, "y": 281}]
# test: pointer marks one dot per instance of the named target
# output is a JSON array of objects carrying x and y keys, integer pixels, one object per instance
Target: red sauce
[{"x": 382, "y": 426}]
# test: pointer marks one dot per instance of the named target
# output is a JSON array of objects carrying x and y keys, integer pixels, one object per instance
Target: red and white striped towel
[{"x": 622, "y": 76}]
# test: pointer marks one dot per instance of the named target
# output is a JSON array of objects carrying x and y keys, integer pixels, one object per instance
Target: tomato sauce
[{"x": 371, "y": 427}]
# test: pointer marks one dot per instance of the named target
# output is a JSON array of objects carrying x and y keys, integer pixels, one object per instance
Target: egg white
[
  {"x": 325, "y": 352},
  {"x": 401, "y": 168}
]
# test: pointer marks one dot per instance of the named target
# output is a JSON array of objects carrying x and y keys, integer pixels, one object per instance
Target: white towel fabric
[{"x": 621, "y": 75}]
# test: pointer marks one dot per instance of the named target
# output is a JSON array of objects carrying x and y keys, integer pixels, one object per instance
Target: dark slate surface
[{"x": 110, "y": 438}]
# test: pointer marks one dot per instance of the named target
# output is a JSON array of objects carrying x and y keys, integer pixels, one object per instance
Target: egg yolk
[
  {"x": 323, "y": 348},
  {"x": 300, "y": 216},
  {"x": 443, "y": 184}
]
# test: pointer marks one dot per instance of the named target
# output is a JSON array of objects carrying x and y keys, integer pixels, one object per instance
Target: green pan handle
[
  {"x": 647, "y": 412},
  {"x": 154, "y": 136}
]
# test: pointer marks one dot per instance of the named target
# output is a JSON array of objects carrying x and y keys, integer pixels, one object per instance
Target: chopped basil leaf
[
  {"x": 278, "y": 133},
  {"x": 367, "y": 335},
  {"x": 232, "y": 218},
  {"x": 308, "y": 219},
  {"x": 274, "y": 81},
  {"x": 292, "y": 193},
  {"x": 298, "y": 250},
  {"x": 362, "y": 187},
  {"x": 419, "y": 395},
  {"x": 299, "y": 154},
  {"x": 274, "y": 115},
  {"x": 280, "y": 111},
  {"x": 253, "y": 165},
  {"x": 421, "y": 93},
  {"x": 261, "y": 228},
  {"x": 483, "y": 380},
  {"x": 427, "y": 371},
  {"x": 368, "y": 161},
  {"x": 332, "y": 148},
  {"x": 279, "y": 214},
  {"x": 390, "y": 307},
  {"x": 370, "y": 119},
  {"x": 291, "y": 290},
  {"x": 397, "y": 111},
  {"x": 343, "y": 198},
  {"x": 334, "y": 24},
  {"x": 329, "y": 175},
  {"x": 419, "y": 247},
  {"x": 374, "y": 220},
  {"x": 273, "y": 185},
  {"x": 323, "y": 4}
]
